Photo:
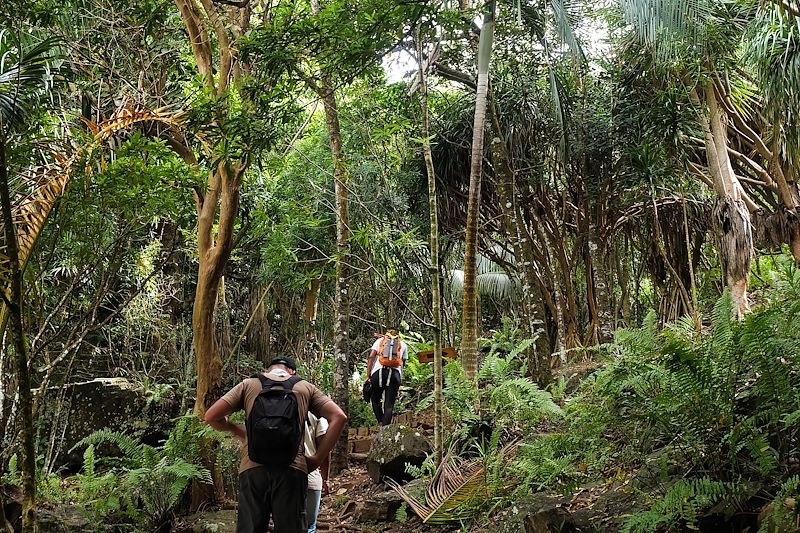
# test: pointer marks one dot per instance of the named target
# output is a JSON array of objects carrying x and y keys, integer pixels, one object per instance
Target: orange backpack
[{"x": 390, "y": 351}]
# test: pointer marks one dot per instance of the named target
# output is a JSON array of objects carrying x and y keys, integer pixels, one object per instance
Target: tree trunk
[
  {"x": 341, "y": 341},
  {"x": 13, "y": 303},
  {"x": 603, "y": 292},
  {"x": 217, "y": 208},
  {"x": 469, "y": 340},
  {"x": 734, "y": 232},
  {"x": 258, "y": 336},
  {"x": 514, "y": 224},
  {"x": 223, "y": 191},
  {"x": 436, "y": 311}
]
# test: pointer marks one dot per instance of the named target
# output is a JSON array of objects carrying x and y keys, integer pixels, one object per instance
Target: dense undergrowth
[{"x": 713, "y": 415}]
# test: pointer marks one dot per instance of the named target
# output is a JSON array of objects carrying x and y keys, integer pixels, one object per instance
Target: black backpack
[{"x": 274, "y": 428}]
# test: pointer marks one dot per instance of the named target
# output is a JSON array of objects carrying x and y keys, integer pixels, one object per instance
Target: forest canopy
[{"x": 190, "y": 188}]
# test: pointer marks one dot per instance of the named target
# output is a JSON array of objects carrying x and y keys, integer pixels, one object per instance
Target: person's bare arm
[
  {"x": 370, "y": 362},
  {"x": 336, "y": 420},
  {"x": 217, "y": 418}
]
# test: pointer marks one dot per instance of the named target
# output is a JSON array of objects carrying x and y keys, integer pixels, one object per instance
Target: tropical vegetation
[{"x": 593, "y": 203}]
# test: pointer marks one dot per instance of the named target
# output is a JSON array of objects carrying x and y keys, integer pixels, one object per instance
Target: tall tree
[
  {"x": 469, "y": 341},
  {"x": 23, "y": 75},
  {"x": 433, "y": 209},
  {"x": 217, "y": 205},
  {"x": 668, "y": 31},
  {"x": 341, "y": 342}
]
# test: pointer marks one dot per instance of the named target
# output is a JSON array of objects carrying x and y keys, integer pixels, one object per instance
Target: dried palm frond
[
  {"x": 456, "y": 483},
  {"x": 30, "y": 214}
]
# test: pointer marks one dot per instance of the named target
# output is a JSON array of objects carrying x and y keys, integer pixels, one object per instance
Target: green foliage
[
  {"x": 783, "y": 512},
  {"x": 402, "y": 513},
  {"x": 12, "y": 475},
  {"x": 680, "y": 506},
  {"x": 545, "y": 463},
  {"x": 100, "y": 492},
  {"x": 146, "y": 177},
  {"x": 691, "y": 392},
  {"x": 144, "y": 483},
  {"x": 723, "y": 403},
  {"x": 25, "y": 73},
  {"x": 359, "y": 412},
  {"x": 505, "y": 399}
]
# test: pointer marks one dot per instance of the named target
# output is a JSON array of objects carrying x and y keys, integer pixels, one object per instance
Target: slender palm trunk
[
  {"x": 438, "y": 398},
  {"x": 13, "y": 302},
  {"x": 469, "y": 340}
]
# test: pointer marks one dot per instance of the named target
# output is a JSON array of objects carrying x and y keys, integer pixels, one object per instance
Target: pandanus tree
[{"x": 698, "y": 42}]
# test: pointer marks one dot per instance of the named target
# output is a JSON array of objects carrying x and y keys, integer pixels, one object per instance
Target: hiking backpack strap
[{"x": 267, "y": 383}]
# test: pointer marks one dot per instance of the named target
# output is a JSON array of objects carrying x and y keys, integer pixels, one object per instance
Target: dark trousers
[
  {"x": 391, "y": 384},
  {"x": 280, "y": 494}
]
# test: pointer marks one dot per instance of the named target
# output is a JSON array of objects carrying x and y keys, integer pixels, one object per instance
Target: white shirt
[
  {"x": 376, "y": 365},
  {"x": 315, "y": 427}
]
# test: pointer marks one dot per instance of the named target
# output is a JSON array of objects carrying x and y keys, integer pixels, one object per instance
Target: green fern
[
  {"x": 131, "y": 449},
  {"x": 681, "y": 505},
  {"x": 148, "y": 482}
]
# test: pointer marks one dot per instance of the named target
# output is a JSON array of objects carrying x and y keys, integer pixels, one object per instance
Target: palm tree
[
  {"x": 23, "y": 75},
  {"x": 469, "y": 338},
  {"x": 517, "y": 228}
]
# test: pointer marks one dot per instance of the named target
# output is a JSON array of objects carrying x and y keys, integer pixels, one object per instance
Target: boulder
[
  {"x": 380, "y": 507},
  {"x": 222, "y": 521},
  {"x": 538, "y": 513},
  {"x": 77, "y": 410},
  {"x": 66, "y": 519},
  {"x": 594, "y": 507},
  {"x": 393, "y": 448}
]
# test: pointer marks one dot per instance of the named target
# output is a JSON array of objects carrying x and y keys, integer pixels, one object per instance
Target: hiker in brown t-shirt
[{"x": 276, "y": 492}]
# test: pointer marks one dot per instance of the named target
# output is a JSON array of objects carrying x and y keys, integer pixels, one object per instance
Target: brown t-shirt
[{"x": 309, "y": 398}]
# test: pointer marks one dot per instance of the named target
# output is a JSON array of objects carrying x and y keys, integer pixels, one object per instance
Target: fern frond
[{"x": 130, "y": 448}]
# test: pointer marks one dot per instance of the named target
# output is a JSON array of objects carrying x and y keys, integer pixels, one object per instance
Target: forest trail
[{"x": 351, "y": 491}]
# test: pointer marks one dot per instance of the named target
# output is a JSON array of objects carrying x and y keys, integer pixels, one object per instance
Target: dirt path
[{"x": 351, "y": 488}]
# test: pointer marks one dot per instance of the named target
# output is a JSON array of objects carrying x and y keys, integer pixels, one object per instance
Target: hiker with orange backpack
[{"x": 384, "y": 368}]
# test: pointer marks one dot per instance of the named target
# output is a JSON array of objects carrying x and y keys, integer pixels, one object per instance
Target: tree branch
[
  {"x": 242, "y": 3},
  {"x": 454, "y": 75}
]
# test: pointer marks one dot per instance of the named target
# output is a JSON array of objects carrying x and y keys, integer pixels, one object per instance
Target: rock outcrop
[
  {"x": 77, "y": 410},
  {"x": 396, "y": 446}
]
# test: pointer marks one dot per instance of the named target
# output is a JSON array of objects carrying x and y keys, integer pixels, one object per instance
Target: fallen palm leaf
[{"x": 455, "y": 484}]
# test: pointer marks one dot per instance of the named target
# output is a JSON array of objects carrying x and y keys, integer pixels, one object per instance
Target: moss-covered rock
[
  {"x": 77, "y": 410},
  {"x": 393, "y": 448}
]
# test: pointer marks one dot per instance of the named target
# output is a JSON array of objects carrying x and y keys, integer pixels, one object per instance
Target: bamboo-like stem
[
  {"x": 13, "y": 302},
  {"x": 438, "y": 398}
]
